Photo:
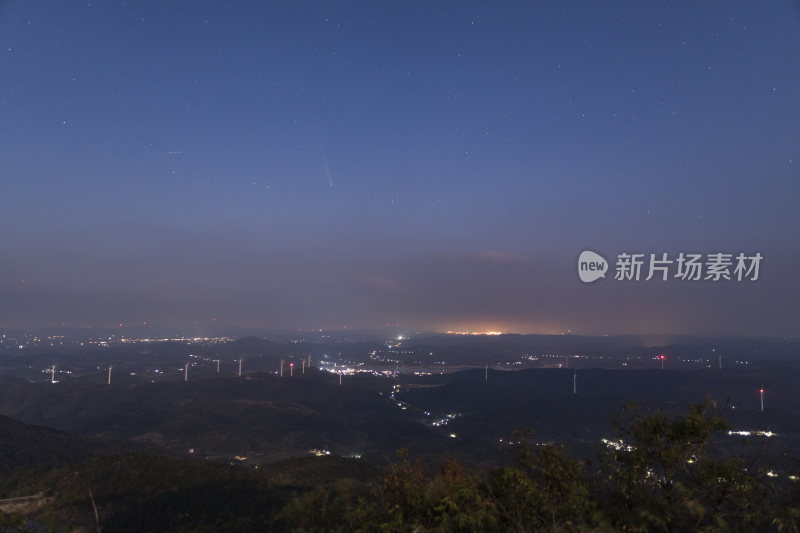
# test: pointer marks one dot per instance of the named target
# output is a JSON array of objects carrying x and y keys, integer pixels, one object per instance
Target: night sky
[{"x": 439, "y": 165}]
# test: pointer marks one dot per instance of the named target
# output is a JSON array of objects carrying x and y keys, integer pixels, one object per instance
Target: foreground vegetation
[{"x": 661, "y": 475}]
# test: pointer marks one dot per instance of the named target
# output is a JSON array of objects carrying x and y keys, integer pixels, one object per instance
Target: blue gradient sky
[{"x": 440, "y": 165}]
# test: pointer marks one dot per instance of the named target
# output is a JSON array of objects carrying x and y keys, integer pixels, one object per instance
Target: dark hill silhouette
[
  {"x": 29, "y": 446},
  {"x": 259, "y": 416}
]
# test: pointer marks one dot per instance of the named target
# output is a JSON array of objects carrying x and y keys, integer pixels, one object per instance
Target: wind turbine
[
  {"x": 186, "y": 372},
  {"x": 304, "y": 366},
  {"x": 662, "y": 361},
  {"x": 281, "y": 367},
  {"x": 575, "y": 382},
  {"x": 291, "y": 370},
  {"x": 217, "y": 366},
  {"x": 240, "y": 367},
  {"x": 761, "y": 390},
  {"x": 53, "y": 374},
  {"x": 486, "y": 372},
  {"x": 109, "y": 374}
]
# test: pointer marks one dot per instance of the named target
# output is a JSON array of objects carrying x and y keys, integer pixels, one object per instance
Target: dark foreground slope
[
  {"x": 142, "y": 492},
  {"x": 28, "y": 446},
  {"x": 668, "y": 478}
]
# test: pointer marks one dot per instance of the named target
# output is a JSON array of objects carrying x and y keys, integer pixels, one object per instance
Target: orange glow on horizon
[
  {"x": 451, "y": 332},
  {"x": 498, "y": 327}
]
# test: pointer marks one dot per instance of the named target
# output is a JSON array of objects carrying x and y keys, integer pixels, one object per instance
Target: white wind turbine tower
[
  {"x": 281, "y": 367},
  {"x": 53, "y": 374},
  {"x": 109, "y": 374},
  {"x": 240, "y": 367},
  {"x": 186, "y": 372},
  {"x": 575, "y": 382},
  {"x": 217, "y": 366},
  {"x": 304, "y": 366}
]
